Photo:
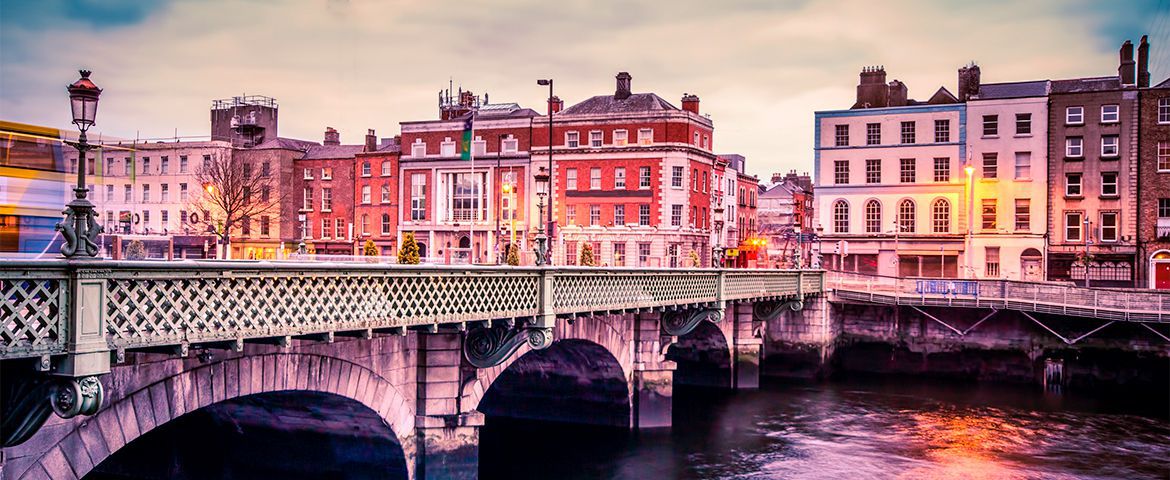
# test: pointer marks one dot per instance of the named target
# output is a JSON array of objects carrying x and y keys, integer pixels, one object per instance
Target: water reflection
[{"x": 900, "y": 430}]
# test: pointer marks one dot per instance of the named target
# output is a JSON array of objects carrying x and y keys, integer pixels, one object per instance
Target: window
[
  {"x": 619, "y": 177},
  {"x": 705, "y": 182},
  {"x": 676, "y": 177},
  {"x": 873, "y": 217},
  {"x": 146, "y": 218},
  {"x": 479, "y": 147},
  {"x": 1110, "y": 114},
  {"x": 1164, "y": 156},
  {"x": 940, "y": 216},
  {"x": 619, "y": 215},
  {"x": 1109, "y": 184},
  {"x": 386, "y": 193},
  {"x": 510, "y": 144},
  {"x": 126, "y": 166},
  {"x": 619, "y": 254},
  {"x": 265, "y": 194},
  {"x": 164, "y": 164},
  {"x": 265, "y": 227},
  {"x": 676, "y": 212},
  {"x": 386, "y": 169},
  {"x": 840, "y": 172},
  {"x": 1074, "y": 147},
  {"x": 696, "y": 142},
  {"x": 247, "y": 170},
  {"x": 146, "y": 194},
  {"x": 327, "y": 172},
  {"x": 165, "y": 217},
  {"x": 990, "y": 125},
  {"x": 418, "y": 196},
  {"x": 127, "y": 193},
  {"x": 182, "y": 163},
  {"x": 307, "y": 174},
  {"x": 942, "y": 169},
  {"x": 873, "y": 134},
  {"x": 643, "y": 177},
  {"x": 989, "y": 213},
  {"x": 643, "y": 254},
  {"x": 840, "y": 216},
  {"x": 873, "y": 171},
  {"x": 110, "y": 193},
  {"x": 906, "y": 214},
  {"x": 165, "y": 192},
  {"x": 842, "y": 136},
  {"x": 942, "y": 131},
  {"x": 595, "y": 138},
  {"x": 327, "y": 199},
  {"x": 1023, "y": 165},
  {"x": 1072, "y": 185},
  {"x": 385, "y": 224},
  {"x": 571, "y": 179},
  {"x": 1109, "y": 146},
  {"x": 643, "y": 214},
  {"x": 990, "y": 165},
  {"x": 1074, "y": 115},
  {"x": 365, "y": 224},
  {"x": 645, "y": 136},
  {"x": 206, "y": 160},
  {"x": 621, "y": 138},
  {"x": 571, "y": 214},
  {"x": 706, "y": 141},
  {"x": 418, "y": 149},
  {"x": 595, "y": 178},
  {"x": 595, "y": 216},
  {"x": 908, "y": 172},
  {"x": 907, "y": 132},
  {"x": 695, "y": 180},
  {"x": 572, "y": 139},
  {"x": 1164, "y": 110},
  {"x": 365, "y": 195},
  {"x": 145, "y": 166},
  {"x": 1023, "y": 214},
  {"x": 1108, "y": 227},
  {"x": 339, "y": 227},
  {"x": 1073, "y": 226},
  {"x": 465, "y": 196},
  {"x": 447, "y": 147},
  {"x": 326, "y": 227},
  {"x": 991, "y": 261},
  {"x": 1023, "y": 124}
]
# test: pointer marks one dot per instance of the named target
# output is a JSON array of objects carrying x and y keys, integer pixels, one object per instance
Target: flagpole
[{"x": 475, "y": 214}]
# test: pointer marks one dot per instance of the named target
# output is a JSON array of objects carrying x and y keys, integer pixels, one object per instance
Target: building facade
[
  {"x": 1153, "y": 178},
  {"x": 376, "y": 193},
  {"x": 785, "y": 222},
  {"x": 327, "y": 198}
]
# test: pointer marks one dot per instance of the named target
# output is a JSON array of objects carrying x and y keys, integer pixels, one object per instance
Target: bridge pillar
[
  {"x": 799, "y": 343},
  {"x": 652, "y": 380},
  {"x": 746, "y": 348},
  {"x": 447, "y": 438}
]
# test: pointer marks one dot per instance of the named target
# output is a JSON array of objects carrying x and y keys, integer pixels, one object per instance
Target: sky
[{"x": 760, "y": 67}]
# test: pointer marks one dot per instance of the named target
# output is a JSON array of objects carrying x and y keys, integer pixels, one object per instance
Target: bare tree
[{"x": 235, "y": 193}]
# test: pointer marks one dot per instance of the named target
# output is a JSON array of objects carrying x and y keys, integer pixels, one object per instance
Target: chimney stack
[
  {"x": 623, "y": 86},
  {"x": 968, "y": 82},
  {"x": 690, "y": 103},
  {"x": 872, "y": 91},
  {"x": 555, "y": 104},
  {"x": 332, "y": 137},
  {"x": 1143, "y": 63},
  {"x": 1125, "y": 71},
  {"x": 777, "y": 177},
  {"x": 898, "y": 94},
  {"x": 371, "y": 141}
]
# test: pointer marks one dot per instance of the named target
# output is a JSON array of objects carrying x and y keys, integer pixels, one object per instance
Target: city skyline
[{"x": 360, "y": 65}]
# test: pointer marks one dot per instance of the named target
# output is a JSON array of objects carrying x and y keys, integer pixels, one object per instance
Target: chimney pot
[
  {"x": 690, "y": 103},
  {"x": 371, "y": 141},
  {"x": 623, "y": 86}
]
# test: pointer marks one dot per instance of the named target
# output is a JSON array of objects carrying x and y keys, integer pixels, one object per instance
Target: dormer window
[
  {"x": 478, "y": 147},
  {"x": 447, "y": 148},
  {"x": 572, "y": 139},
  {"x": 327, "y": 173},
  {"x": 419, "y": 148},
  {"x": 308, "y": 174},
  {"x": 645, "y": 136},
  {"x": 510, "y": 144},
  {"x": 620, "y": 138},
  {"x": 595, "y": 138}
]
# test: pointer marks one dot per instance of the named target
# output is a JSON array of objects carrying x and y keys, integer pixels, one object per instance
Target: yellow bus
[{"x": 34, "y": 188}]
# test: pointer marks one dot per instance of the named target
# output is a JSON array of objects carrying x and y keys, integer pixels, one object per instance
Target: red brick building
[
  {"x": 632, "y": 176},
  {"x": 467, "y": 211},
  {"x": 326, "y": 196},
  {"x": 377, "y": 203},
  {"x": 1153, "y": 177}
]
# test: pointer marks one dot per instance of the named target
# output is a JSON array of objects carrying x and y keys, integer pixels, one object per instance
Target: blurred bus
[{"x": 34, "y": 188}]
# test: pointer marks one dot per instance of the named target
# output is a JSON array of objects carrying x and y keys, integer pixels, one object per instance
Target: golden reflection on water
[{"x": 964, "y": 444}]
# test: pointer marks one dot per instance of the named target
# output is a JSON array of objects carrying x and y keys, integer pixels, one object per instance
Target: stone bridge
[{"x": 106, "y": 364}]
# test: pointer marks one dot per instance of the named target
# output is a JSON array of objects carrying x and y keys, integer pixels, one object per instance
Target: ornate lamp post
[
  {"x": 717, "y": 250},
  {"x": 549, "y": 82},
  {"x": 541, "y": 239},
  {"x": 80, "y": 228}
]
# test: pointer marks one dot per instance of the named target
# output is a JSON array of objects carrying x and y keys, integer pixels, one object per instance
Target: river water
[{"x": 908, "y": 429}]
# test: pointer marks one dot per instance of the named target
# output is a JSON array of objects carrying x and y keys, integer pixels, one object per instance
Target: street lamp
[
  {"x": 549, "y": 82},
  {"x": 80, "y": 229},
  {"x": 1085, "y": 260},
  {"x": 542, "y": 254},
  {"x": 970, "y": 169}
]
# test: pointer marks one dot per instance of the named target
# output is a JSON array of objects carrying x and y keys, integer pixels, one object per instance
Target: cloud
[{"x": 760, "y": 67}]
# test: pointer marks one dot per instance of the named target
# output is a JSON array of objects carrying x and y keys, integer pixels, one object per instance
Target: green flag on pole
[{"x": 468, "y": 131}]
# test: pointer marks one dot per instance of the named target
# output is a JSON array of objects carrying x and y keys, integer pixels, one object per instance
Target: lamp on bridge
[
  {"x": 80, "y": 228},
  {"x": 541, "y": 178}
]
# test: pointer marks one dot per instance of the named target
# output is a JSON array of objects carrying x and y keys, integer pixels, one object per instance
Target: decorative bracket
[
  {"x": 30, "y": 401},
  {"x": 681, "y": 322},
  {"x": 487, "y": 347},
  {"x": 770, "y": 310}
]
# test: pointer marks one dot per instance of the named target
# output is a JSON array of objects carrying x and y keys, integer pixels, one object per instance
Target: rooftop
[
  {"x": 332, "y": 151},
  {"x": 1087, "y": 84},
  {"x": 1035, "y": 88},
  {"x": 636, "y": 102}
]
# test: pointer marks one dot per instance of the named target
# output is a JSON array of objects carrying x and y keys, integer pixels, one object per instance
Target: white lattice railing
[
  {"x": 1043, "y": 297},
  {"x": 156, "y": 304}
]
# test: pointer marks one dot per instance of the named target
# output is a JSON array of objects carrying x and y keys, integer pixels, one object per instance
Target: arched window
[
  {"x": 873, "y": 217},
  {"x": 840, "y": 217},
  {"x": 940, "y": 215},
  {"x": 906, "y": 216},
  {"x": 385, "y": 224}
]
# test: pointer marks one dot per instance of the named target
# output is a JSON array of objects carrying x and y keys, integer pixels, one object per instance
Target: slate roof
[
  {"x": 942, "y": 96},
  {"x": 332, "y": 151},
  {"x": 1089, "y": 84},
  {"x": 1165, "y": 84},
  {"x": 501, "y": 110},
  {"x": 1036, "y": 88},
  {"x": 282, "y": 143},
  {"x": 637, "y": 102}
]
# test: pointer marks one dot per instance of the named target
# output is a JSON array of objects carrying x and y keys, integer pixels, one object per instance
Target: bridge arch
[
  {"x": 142, "y": 411},
  {"x": 704, "y": 357}
]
